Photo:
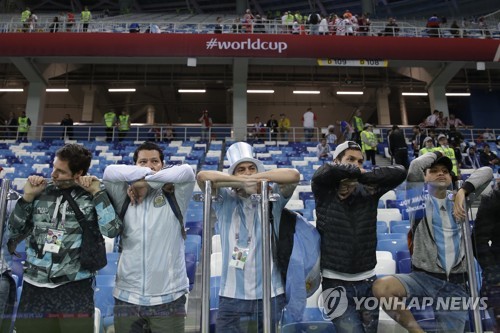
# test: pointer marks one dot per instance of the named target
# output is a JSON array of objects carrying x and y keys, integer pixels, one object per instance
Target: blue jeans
[
  {"x": 421, "y": 284},
  {"x": 239, "y": 315},
  {"x": 351, "y": 321},
  {"x": 132, "y": 318},
  {"x": 308, "y": 132}
]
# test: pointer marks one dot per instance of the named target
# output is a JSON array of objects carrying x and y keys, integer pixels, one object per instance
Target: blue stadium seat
[
  {"x": 104, "y": 300},
  {"x": 404, "y": 266},
  {"x": 392, "y": 224},
  {"x": 391, "y": 236},
  {"x": 109, "y": 269},
  {"x": 102, "y": 280},
  {"x": 401, "y": 228},
  {"x": 382, "y": 227},
  {"x": 191, "y": 268},
  {"x": 392, "y": 245},
  {"x": 194, "y": 231}
]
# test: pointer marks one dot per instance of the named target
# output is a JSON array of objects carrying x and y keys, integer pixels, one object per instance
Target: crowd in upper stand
[{"x": 341, "y": 24}]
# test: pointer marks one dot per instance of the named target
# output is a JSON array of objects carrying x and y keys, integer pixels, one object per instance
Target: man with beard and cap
[
  {"x": 439, "y": 268},
  {"x": 240, "y": 224}
]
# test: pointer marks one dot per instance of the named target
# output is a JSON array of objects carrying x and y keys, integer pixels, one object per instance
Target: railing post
[
  {"x": 471, "y": 266},
  {"x": 266, "y": 259},
  {"x": 205, "y": 267},
  {"x": 4, "y": 191}
]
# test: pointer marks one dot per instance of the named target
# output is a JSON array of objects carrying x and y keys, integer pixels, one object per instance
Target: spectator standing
[
  {"x": 25, "y": 15},
  {"x": 346, "y": 205},
  {"x": 323, "y": 27},
  {"x": 32, "y": 21},
  {"x": 67, "y": 122},
  {"x": 258, "y": 129},
  {"x": 123, "y": 125},
  {"x": 86, "y": 16},
  {"x": 488, "y": 136},
  {"x": 439, "y": 269},
  {"x": 398, "y": 147},
  {"x": 151, "y": 295},
  {"x": 110, "y": 122},
  {"x": 346, "y": 129},
  {"x": 284, "y": 126},
  {"x": 258, "y": 25},
  {"x": 313, "y": 20},
  {"x": 56, "y": 289},
  {"x": 206, "y": 125},
  {"x": 23, "y": 128},
  {"x": 369, "y": 143},
  {"x": 433, "y": 25},
  {"x": 323, "y": 150},
  {"x": 455, "y": 31},
  {"x": 218, "y": 26},
  {"x": 432, "y": 120},
  {"x": 358, "y": 125},
  {"x": 272, "y": 125},
  {"x": 54, "y": 26},
  {"x": 70, "y": 21},
  {"x": 309, "y": 123},
  {"x": 486, "y": 238},
  {"x": 11, "y": 124},
  {"x": 330, "y": 136},
  {"x": 391, "y": 28},
  {"x": 240, "y": 223},
  {"x": 417, "y": 140}
]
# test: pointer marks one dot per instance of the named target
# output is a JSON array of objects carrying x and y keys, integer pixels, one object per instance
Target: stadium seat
[
  {"x": 191, "y": 268},
  {"x": 385, "y": 266},
  {"x": 216, "y": 244},
  {"x": 382, "y": 227},
  {"x": 392, "y": 245},
  {"x": 388, "y": 215},
  {"x": 216, "y": 264},
  {"x": 391, "y": 236},
  {"x": 404, "y": 266},
  {"x": 400, "y": 228}
]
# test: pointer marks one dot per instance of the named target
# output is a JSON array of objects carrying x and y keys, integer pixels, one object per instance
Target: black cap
[{"x": 443, "y": 160}]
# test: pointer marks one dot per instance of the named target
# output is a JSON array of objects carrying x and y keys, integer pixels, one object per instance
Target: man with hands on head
[
  {"x": 240, "y": 231},
  {"x": 55, "y": 284},
  {"x": 151, "y": 281},
  {"x": 346, "y": 205}
]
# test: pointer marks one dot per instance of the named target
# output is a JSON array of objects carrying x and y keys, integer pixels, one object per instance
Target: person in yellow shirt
[
  {"x": 284, "y": 126},
  {"x": 123, "y": 125}
]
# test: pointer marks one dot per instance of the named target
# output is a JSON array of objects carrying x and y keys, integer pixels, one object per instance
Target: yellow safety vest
[
  {"x": 109, "y": 118},
  {"x": 371, "y": 140},
  {"x": 424, "y": 151},
  {"x": 25, "y": 15},
  {"x": 86, "y": 16},
  {"x": 124, "y": 123},
  {"x": 23, "y": 124},
  {"x": 284, "y": 124},
  {"x": 358, "y": 123}
]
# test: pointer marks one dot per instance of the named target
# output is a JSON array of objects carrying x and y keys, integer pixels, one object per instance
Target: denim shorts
[{"x": 421, "y": 284}]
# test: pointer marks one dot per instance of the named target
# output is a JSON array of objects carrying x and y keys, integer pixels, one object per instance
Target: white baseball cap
[{"x": 344, "y": 146}]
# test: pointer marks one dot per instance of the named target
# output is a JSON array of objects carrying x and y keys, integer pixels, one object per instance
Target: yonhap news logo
[
  {"x": 334, "y": 303},
  {"x": 249, "y": 44}
]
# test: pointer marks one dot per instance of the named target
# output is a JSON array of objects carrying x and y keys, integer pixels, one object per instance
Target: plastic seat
[
  {"x": 191, "y": 269},
  {"x": 385, "y": 266},
  {"x": 404, "y": 266},
  {"x": 102, "y": 280},
  {"x": 194, "y": 231},
  {"x": 382, "y": 227},
  {"x": 216, "y": 244},
  {"x": 105, "y": 301},
  {"x": 109, "y": 269},
  {"x": 391, "y": 236},
  {"x": 216, "y": 264},
  {"x": 401, "y": 228},
  {"x": 392, "y": 245},
  {"x": 388, "y": 215}
]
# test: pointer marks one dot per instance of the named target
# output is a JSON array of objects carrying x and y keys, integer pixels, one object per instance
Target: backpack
[
  {"x": 284, "y": 241},
  {"x": 296, "y": 252},
  {"x": 313, "y": 18}
]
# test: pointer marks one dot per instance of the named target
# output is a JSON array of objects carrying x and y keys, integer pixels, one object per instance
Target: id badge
[
  {"x": 238, "y": 258},
  {"x": 53, "y": 241}
]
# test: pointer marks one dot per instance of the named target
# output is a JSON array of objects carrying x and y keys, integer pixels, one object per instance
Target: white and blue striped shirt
[
  {"x": 447, "y": 233},
  {"x": 234, "y": 212}
]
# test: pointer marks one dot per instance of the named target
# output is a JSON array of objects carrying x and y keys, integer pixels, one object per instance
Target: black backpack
[
  {"x": 313, "y": 19},
  {"x": 282, "y": 243}
]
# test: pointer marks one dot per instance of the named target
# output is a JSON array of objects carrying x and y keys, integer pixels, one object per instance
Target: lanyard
[
  {"x": 54, "y": 219},
  {"x": 244, "y": 210}
]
